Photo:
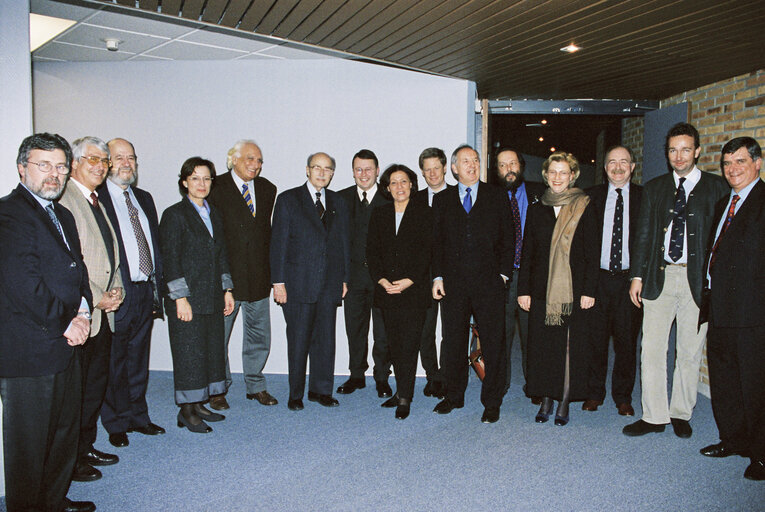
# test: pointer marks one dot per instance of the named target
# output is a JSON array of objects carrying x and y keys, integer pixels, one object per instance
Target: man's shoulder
[
  {"x": 534, "y": 188},
  {"x": 262, "y": 182}
]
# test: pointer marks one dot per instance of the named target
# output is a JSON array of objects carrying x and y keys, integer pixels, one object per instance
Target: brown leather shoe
[
  {"x": 218, "y": 402},
  {"x": 625, "y": 409},
  {"x": 263, "y": 397},
  {"x": 591, "y": 405}
]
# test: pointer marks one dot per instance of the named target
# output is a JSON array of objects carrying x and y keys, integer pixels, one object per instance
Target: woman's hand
[
  {"x": 228, "y": 303},
  {"x": 396, "y": 287},
  {"x": 524, "y": 301},
  {"x": 184, "y": 309},
  {"x": 586, "y": 302}
]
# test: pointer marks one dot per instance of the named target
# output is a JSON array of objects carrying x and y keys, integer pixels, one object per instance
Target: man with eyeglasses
[
  {"x": 310, "y": 268},
  {"x": 245, "y": 200},
  {"x": 45, "y": 304},
  {"x": 361, "y": 198},
  {"x": 90, "y": 164},
  {"x": 133, "y": 215}
]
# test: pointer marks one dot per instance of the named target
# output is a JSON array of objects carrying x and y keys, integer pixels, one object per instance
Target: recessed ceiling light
[
  {"x": 541, "y": 139},
  {"x": 44, "y": 28},
  {"x": 544, "y": 121},
  {"x": 571, "y": 48},
  {"x": 552, "y": 149}
]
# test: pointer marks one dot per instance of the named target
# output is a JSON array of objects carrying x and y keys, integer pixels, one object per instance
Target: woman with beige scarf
[{"x": 556, "y": 285}]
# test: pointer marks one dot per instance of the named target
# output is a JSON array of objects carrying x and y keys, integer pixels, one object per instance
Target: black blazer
[
  {"x": 146, "y": 202},
  {"x": 405, "y": 254},
  {"x": 358, "y": 219},
  {"x": 421, "y": 196},
  {"x": 248, "y": 238},
  {"x": 42, "y": 283},
  {"x": 598, "y": 195},
  {"x": 658, "y": 199},
  {"x": 738, "y": 275},
  {"x": 193, "y": 258},
  {"x": 311, "y": 259},
  {"x": 534, "y": 191}
]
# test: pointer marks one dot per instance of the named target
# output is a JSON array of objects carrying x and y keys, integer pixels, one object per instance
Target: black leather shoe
[
  {"x": 84, "y": 472},
  {"x": 391, "y": 402},
  {"x": 383, "y": 389},
  {"x": 640, "y": 428},
  {"x": 446, "y": 406},
  {"x": 402, "y": 411},
  {"x": 119, "y": 439},
  {"x": 435, "y": 389},
  {"x": 755, "y": 471},
  {"x": 490, "y": 415},
  {"x": 681, "y": 427},
  {"x": 264, "y": 397},
  {"x": 325, "y": 400},
  {"x": 351, "y": 385},
  {"x": 150, "y": 429},
  {"x": 98, "y": 458},
  {"x": 295, "y": 404},
  {"x": 78, "y": 506},
  {"x": 718, "y": 451}
]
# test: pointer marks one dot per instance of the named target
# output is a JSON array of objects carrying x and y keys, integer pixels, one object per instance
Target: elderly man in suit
[
  {"x": 360, "y": 199},
  {"x": 245, "y": 200},
  {"x": 44, "y": 317},
  {"x": 735, "y": 307},
  {"x": 133, "y": 216},
  {"x": 90, "y": 164},
  {"x": 473, "y": 244},
  {"x": 310, "y": 268},
  {"x": 521, "y": 193},
  {"x": 666, "y": 271},
  {"x": 617, "y": 204}
]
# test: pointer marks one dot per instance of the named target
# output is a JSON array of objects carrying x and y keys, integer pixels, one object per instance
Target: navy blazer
[
  {"x": 42, "y": 283},
  {"x": 146, "y": 202},
  {"x": 311, "y": 259}
]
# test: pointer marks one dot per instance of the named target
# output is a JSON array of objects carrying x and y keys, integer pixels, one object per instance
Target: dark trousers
[
  {"x": 310, "y": 333},
  {"x": 357, "y": 308},
  {"x": 95, "y": 376},
  {"x": 403, "y": 328},
  {"x": 513, "y": 310},
  {"x": 488, "y": 310},
  {"x": 41, "y": 424},
  {"x": 615, "y": 316},
  {"x": 737, "y": 382},
  {"x": 428, "y": 351},
  {"x": 124, "y": 404}
]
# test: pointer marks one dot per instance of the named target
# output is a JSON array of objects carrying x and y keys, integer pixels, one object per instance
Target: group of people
[{"x": 85, "y": 267}]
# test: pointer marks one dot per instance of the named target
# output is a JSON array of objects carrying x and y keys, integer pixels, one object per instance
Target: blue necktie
[
  {"x": 467, "y": 203},
  {"x": 615, "y": 264},
  {"x": 248, "y": 198},
  {"x": 52, "y": 215},
  {"x": 678, "y": 224}
]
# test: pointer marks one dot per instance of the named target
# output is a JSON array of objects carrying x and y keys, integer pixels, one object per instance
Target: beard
[
  {"x": 513, "y": 185},
  {"x": 114, "y": 175},
  {"x": 51, "y": 194}
]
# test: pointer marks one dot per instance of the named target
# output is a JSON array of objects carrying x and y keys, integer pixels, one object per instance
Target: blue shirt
[
  {"x": 204, "y": 213},
  {"x": 129, "y": 240},
  {"x": 463, "y": 191}
]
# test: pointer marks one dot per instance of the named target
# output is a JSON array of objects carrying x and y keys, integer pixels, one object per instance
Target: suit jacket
[
  {"x": 195, "y": 263},
  {"x": 311, "y": 259},
  {"x": 738, "y": 275},
  {"x": 359, "y": 227},
  {"x": 492, "y": 239},
  {"x": 42, "y": 282},
  {"x": 534, "y": 191},
  {"x": 103, "y": 273},
  {"x": 421, "y": 196},
  {"x": 598, "y": 195},
  {"x": 248, "y": 238},
  {"x": 146, "y": 203},
  {"x": 405, "y": 254},
  {"x": 658, "y": 200}
]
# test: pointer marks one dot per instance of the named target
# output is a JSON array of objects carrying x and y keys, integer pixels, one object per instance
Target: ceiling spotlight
[
  {"x": 112, "y": 44},
  {"x": 571, "y": 48},
  {"x": 541, "y": 139},
  {"x": 552, "y": 149},
  {"x": 544, "y": 121}
]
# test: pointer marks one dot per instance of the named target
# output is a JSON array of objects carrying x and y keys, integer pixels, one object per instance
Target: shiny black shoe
[
  {"x": 446, "y": 406},
  {"x": 755, "y": 471},
  {"x": 640, "y": 428},
  {"x": 490, "y": 415},
  {"x": 150, "y": 429},
  {"x": 119, "y": 439},
  {"x": 200, "y": 428},
  {"x": 351, "y": 385},
  {"x": 682, "y": 428},
  {"x": 78, "y": 506},
  {"x": 435, "y": 389},
  {"x": 561, "y": 421},
  {"x": 391, "y": 402},
  {"x": 383, "y": 389},
  {"x": 325, "y": 400},
  {"x": 98, "y": 458},
  {"x": 295, "y": 404},
  {"x": 402, "y": 411},
  {"x": 84, "y": 472},
  {"x": 718, "y": 451},
  {"x": 545, "y": 410}
]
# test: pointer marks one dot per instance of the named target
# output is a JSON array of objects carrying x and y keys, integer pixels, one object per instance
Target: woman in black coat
[
  {"x": 398, "y": 254},
  {"x": 198, "y": 295},
  {"x": 556, "y": 284}
]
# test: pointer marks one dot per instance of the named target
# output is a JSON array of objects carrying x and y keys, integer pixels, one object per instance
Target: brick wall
[{"x": 632, "y": 137}]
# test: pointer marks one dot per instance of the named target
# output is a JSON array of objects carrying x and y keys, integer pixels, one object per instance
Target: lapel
[
  {"x": 634, "y": 204},
  {"x": 196, "y": 221},
  {"x": 309, "y": 207},
  {"x": 667, "y": 201},
  {"x": 746, "y": 213},
  {"x": 45, "y": 218}
]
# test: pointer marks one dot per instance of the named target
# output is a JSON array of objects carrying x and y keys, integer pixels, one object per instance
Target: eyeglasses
[
  {"x": 318, "y": 168},
  {"x": 93, "y": 160},
  {"x": 48, "y": 167}
]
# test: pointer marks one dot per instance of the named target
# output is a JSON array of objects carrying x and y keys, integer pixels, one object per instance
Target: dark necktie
[
  {"x": 319, "y": 206},
  {"x": 516, "y": 211},
  {"x": 728, "y": 220},
  {"x": 467, "y": 203},
  {"x": 144, "y": 255},
  {"x": 364, "y": 200},
  {"x": 615, "y": 264},
  {"x": 94, "y": 199},
  {"x": 52, "y": 215},
  {"x": 678, "y": 224},
  {"x": 248, "y": 198}
]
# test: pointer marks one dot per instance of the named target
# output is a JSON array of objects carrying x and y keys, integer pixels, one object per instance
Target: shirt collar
[
  {"x": 43, "y": 202},
  {"x": 745, "y": 191},
  {"x": 691, "y": 178},
  {"x": 370, "y": 193},
  {"x": 312, "y": 191},
  {"x": 239, "y": 181},
  {"x": 612, "y": 188},
  {"x": 83, "y": 189}
]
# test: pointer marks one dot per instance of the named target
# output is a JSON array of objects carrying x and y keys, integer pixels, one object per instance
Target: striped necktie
[{"x": 248, "y": 198}]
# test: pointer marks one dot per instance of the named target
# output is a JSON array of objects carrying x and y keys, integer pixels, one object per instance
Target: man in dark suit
[
  {"x": 245, "y": 200},
  {"x": 473, "y": 247},
  {"x": 133, "y": 215},
  {"x": 310, "y": 268},
  {"x": 666, "y": 272},
  {"x": 734, "y": 304},
  {"x": 45, "y": 309},
  {"x": 432, "y": 163},
  {"x": 361, "y": 199},
  {"x": 521, "y": 193},
  {"x": 90, "y": 163},
  {"x": 617, "y": 205}
]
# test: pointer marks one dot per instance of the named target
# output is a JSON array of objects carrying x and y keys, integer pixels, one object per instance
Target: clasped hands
[
  {"x": 395, "y": 287},
  {"x": 111, "y": 300}
]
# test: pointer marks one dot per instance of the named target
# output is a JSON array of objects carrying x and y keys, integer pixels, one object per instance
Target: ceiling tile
[{"x": 179, "y": 50}]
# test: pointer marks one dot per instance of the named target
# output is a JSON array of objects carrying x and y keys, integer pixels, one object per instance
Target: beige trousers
[{"x": 674, "y": 302}]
